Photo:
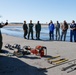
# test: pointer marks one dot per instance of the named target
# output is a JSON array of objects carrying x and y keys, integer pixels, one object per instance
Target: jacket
[
  {"x": 25, "y": 27},
  {"x": 51, "y": 27},
  {"x": 31, "y": 26},
  {"x": 38, "y": 27}
]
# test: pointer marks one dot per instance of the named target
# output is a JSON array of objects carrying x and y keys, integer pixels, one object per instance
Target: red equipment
[{"x": 39, "y": 50}]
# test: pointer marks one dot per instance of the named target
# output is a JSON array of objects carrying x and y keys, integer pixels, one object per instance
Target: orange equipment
[{"x": 39, "y": 50}]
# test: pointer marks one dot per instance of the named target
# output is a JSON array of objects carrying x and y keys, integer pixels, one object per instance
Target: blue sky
[{"x": 43, "y": 10}]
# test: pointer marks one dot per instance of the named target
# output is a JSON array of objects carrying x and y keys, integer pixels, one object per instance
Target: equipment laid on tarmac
[
  {"x": 73, "y": 69},
  {"x": 55, "y": 63},
  {"x": 61, "y": 61},
  {"x": 58, "y": 61},
  {"x": 39, "y": 50},
  {"x": 16, "y": 46},
  {"x": 9, "y": 46},
  {"x": 68, "y": 67},
  {"x": 74, "y": 60},
  {"x": 53, "y": 57}
]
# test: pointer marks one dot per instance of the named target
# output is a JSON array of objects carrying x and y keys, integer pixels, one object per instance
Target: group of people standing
[
  {"x": 64, "y": 27},
  {"x": 29, "y": 30}
]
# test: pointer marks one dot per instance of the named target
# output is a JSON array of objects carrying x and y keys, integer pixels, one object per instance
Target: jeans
[
  {"x": 30, "y": 32},
  {"x": 57, "y": 34},
  {"x": 25, "y": 33},
  {"x": 37, "y": 34},
  {"x": 63, "y": 34},
  {"x": 51, "y": 34},
  {"x": 72, "y": 33}
]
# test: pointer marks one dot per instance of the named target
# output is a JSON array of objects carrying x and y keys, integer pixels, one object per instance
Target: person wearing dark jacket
[
  {"x": 1, "y": 43},
  {"x": 30, "y": 29},
  {"x": 38, "y": 29},
  {"x": 73, "y": 31},
  {"x": 57, "y": 31},
  {"x": 25, "y": 28}
]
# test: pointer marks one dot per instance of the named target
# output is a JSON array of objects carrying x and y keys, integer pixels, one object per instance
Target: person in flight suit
[
  {"x": 30, "y": 29},
  {"x": 25, "y": 28},
  {"x": 38, "y": 29}
]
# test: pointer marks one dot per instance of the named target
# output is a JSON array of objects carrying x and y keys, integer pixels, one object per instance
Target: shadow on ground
[
  {"x": 4, "y": 51},
  {"x": 14, "y": 66}
]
